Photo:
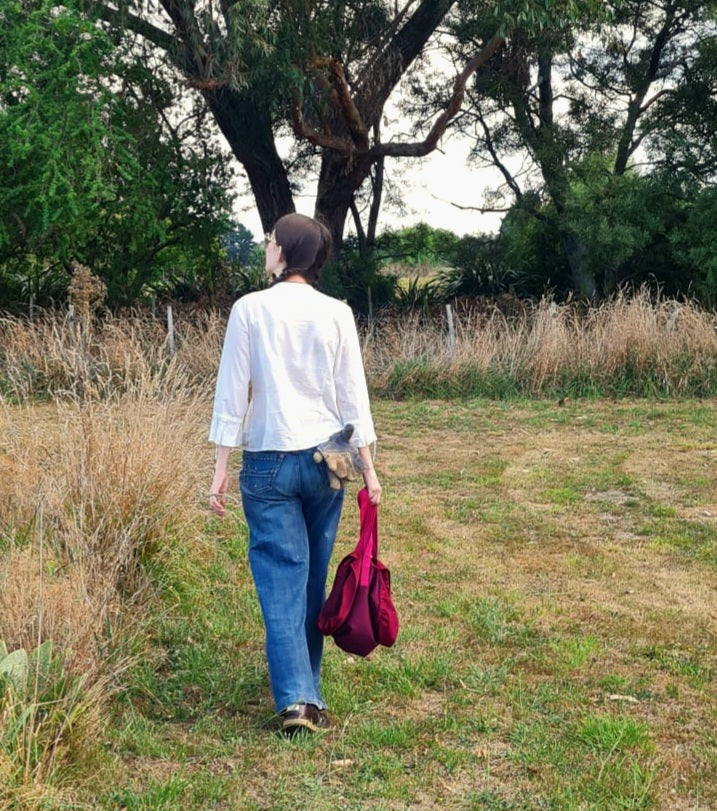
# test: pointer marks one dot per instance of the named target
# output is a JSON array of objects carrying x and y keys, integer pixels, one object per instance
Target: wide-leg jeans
[{"x": 293, "y": 516}]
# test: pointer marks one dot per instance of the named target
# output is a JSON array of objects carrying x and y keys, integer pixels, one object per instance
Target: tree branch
[
  {"x": 322, "y": 139},
  {"x": 352, "y": 116},
  {"x": 646, "y": 106},
  {"x": 627, "y": 144},
  {"x": 390, "y": 64},
  {"x": 422, "y": 148},
  {"x": 502, "y": 168},
  {"x": 157, "y": 36},
  {"x": 377, "y": 192},
  {"x": 190, "y": 35},
  {"x": 481, "y": 209},
  {"x": 360, "y": 233}
]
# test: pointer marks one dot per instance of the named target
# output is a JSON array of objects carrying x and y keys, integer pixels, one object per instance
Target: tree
[
  {"x": 683, "y": 126},
  {"x": 588, "y": 88},
  {"x": 93, "y": 168},
  {"x": 324, "y": 69}
]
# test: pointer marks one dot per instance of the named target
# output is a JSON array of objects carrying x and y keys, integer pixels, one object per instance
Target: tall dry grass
[
  {"x": 627, "y": 346},
  {"x": 60, "y": 358},
  {"x": 101, "y": 494}
]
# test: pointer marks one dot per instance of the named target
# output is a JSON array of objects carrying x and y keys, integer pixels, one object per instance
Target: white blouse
[{"x": 291, "y": 372}]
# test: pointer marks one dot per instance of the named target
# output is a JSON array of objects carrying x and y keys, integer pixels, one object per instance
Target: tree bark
[
  {"x": 627, "y": 145},
  {"x": 339, "y": 180},
  {"x": 377, "y": 194},
  {"x": 248, "y": 131}
]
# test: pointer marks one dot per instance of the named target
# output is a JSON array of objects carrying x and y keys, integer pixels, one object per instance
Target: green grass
[
  {"x": 554, "y": 570},
  {"x": 516, "y": 535}
]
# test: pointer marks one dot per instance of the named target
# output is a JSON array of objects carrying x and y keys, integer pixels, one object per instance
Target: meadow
[{"x": 554, "y": 562}]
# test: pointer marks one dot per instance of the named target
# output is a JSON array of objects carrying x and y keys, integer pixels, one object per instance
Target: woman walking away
[{"x": 290, "y": 378}]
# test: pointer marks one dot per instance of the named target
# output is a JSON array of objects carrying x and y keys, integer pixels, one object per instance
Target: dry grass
[
  {"x": 61, "y": 358},
  {"x": 626, "y": 345},
  {"x": 101, "y": 490},
  {"x": 96, "y": 501}
]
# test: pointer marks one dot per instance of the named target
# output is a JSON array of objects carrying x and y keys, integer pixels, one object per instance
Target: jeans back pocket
[{"x": 259, "y": 469}]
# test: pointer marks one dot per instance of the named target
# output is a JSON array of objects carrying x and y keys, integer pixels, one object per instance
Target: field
[{"x": 554, "y": 567}]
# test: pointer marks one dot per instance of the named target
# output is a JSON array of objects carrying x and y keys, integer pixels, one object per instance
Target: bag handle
[{"x": 367, "y": 547}]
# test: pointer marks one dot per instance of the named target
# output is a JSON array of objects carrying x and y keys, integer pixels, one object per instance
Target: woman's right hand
[{"x": 218, "y": 495}]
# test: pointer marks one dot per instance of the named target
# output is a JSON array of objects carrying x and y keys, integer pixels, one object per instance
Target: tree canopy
[
  {"x": 323, "y": 71},
  {"x": 583, "y": 102},
  {"x": 94, "y": 164}
]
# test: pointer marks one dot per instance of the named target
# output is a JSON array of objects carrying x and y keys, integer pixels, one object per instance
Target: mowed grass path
[{"x": 555, "y": 571}]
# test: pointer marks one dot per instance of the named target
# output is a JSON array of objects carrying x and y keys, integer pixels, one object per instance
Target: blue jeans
[{"x": 293, "y": 516}]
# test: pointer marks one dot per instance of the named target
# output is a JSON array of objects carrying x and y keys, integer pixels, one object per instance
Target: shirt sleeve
[
  {"x": 231, "y": 398},
  {"x": 350, "y": 381}
]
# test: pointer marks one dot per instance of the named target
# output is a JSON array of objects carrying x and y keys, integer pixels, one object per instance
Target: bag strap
[{"x": 367, "y": 547}]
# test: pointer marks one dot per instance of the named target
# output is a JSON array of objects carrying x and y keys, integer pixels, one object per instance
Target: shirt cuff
[
  {"x": 226, "y": 431},
  {"x": 364, "y": 437}
]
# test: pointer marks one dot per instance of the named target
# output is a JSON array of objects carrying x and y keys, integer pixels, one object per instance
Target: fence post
[
  {"x": 451, "y": 331},
  {"x": 170, "y": 330}
]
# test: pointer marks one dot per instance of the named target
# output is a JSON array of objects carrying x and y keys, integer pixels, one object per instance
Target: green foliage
[
  {"x": 239, "y": 245},
  {"x": 416, "y": 245},
  {"x": 248, "y": 278},
  {"x": 530, "y": 242},
  {"x": 684, "y": 125},
  {"x": 638, "y": 75},
  {"x": 356, "y": 278},
  {"x": 42, "y": 708},
  {"x": 91, "y": 168},
  {"x": 417, "y": 293},
  {"x": 479, "y": 269},
  {"x": 624, "y": 221},
  {"x": 694, "y": 245}
]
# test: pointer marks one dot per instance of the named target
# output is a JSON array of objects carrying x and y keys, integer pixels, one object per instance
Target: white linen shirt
[{"x": 291, "y": 373}]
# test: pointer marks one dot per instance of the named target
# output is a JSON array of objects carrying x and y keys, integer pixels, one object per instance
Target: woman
[{"x": 290, "y": 377}]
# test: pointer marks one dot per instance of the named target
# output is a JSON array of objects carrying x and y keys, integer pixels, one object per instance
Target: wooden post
[
  {"x": 170, "y": 330},
  {"x": 451, "y": 331}
]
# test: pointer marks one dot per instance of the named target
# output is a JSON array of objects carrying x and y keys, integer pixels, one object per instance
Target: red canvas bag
[{"x": 359, "y": 612}]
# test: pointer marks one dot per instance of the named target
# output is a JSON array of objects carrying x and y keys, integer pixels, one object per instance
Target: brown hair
[{"x": 305, "y": 244}]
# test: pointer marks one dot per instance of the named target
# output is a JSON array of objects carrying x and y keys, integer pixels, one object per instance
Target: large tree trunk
[
  {"x": 339, "y": 179},
  {"x": 247, "y": 128},
  {"x": 576, "y": 253},
  {"x": 548, "y": 153},
  {"x": 341, "y": 176}
]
